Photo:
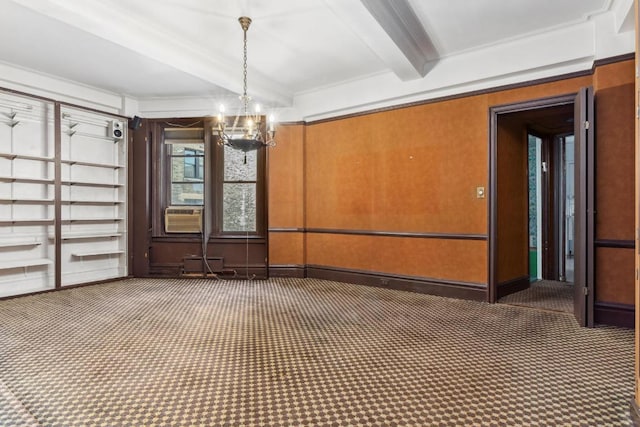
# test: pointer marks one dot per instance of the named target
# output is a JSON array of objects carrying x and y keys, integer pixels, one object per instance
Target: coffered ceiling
[{"x": 307, "y": 58}]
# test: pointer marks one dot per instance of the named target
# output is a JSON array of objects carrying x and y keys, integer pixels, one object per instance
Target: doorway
[
  {"x": 551, "y": 203},
  {"x": 541, "y": 191}
]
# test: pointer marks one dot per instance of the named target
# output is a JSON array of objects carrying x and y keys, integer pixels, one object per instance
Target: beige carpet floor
[
  {"x": 545, "y": 294},
  {"x": 151, "y": 352}
]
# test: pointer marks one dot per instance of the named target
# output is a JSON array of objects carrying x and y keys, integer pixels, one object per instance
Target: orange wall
[
  {"x": 286, "y": 190},
  {"x": 412, "y": 169},
  {"x": 615, "y": 150},
  {"x": 416, "y": 169},
  {"x": 430, "y": 258},
  {"x": 614, "y": 86}
]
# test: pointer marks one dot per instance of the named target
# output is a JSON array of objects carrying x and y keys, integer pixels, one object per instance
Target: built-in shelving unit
[
  {"x": 27, "y": 147},
  {"x": 93, "y": 197},
  {"x": 63, "y": 189}
]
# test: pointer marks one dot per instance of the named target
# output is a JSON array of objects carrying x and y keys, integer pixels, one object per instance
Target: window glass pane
[
  {"x": 187, "y": 169},
  {"x": 239, "y": 207},
  {"x": 187, "y": 194},
  {"x": 235, "y": 168}
]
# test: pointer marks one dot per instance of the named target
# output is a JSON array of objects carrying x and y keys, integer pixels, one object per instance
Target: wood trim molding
[
  {"x": 512, "y": 286},
  {"x": 288, "y": 270},
  {"x": 615, "y": 314},
  {"x": 615, "y": 243},
  {"x": 62, "y": 288},
  {"x": 57, "y": 189},
  {"x": 613, "y": 59},
  {"x": 492, "y": 149},
  {"x": 425, "y": 285},
  {"x": 635, "y": 413},
  {"x": 528, "y": 83},
  {"x": 448, "y": 236},
  {"x": 583, "y": 73},
  {"x": 286, "y": 230},
  {"x": 63, "y": 103}
]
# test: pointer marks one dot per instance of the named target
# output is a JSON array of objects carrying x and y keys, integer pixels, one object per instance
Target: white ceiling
[{"x": 303, "y": 52}]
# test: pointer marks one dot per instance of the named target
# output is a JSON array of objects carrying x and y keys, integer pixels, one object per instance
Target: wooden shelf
[
  {"x": 34, "y": 221},
  {"x": 110, "y": 219},
  {"x": 72, "y": 235},
  {"x": 93, "y": 136},
  {"x": 27, "y": 201},
  {"x": 92, "y": 202},
  {"x": 18, "y": 243},
  {"x": 19, "y": 263},
  {"x": 91, "y": 184},
  {"x": 95, "y": 165},
  {"x": 96, "y": 253},
  {"x": 26, "y": 157},
  {"x": 26, "y": 180}
]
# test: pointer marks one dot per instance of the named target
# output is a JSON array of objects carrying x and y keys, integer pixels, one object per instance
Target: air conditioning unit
[{"x": 182, "y": 220}]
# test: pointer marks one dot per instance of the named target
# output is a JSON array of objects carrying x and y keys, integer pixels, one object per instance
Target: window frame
[
  {"x": 187, "y": 180},
  {"x": 261, "y": 188},
  {"x": 213, "y": 182}
]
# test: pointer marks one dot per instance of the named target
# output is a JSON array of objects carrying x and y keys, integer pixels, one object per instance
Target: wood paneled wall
[
  {"x": 614, "y": 88},
  {"x": 286, "y": 198},
  {"x": 350, "y": 182},
  {"x": 512, "y": 213}
]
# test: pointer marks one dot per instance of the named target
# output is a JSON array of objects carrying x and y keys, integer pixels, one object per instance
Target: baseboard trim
[
  {"x": 288, "y": 270},
  {"x": 635, "y": 413},
  {"x": 513, "y": 285},
  {"x": 424, "y": 285},
  {"x": 614, "y": 314}
]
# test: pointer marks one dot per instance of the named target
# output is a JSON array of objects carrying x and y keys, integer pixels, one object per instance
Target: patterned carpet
[
  {"x": 545, "y": 294},
  {"x": 145, "y": 352}
]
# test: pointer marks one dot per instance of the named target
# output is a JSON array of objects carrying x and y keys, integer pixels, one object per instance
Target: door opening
[
  {"x": 550, "y": 175},
  {"x": 541, "y": 164}
]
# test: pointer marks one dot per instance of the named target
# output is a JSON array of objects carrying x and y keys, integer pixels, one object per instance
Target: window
[
  {"x": 192, "y": 170},
  {"x": 186, "y": 163},
  {"x": 239, "y": 201}
]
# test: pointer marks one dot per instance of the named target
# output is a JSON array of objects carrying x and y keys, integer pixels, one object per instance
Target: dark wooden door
[{"x": 584, "y": 206}]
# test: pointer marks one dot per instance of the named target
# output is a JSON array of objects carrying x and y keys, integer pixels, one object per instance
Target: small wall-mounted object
[
  {"x": 135, "y": 123},
  {"x": 115, "y": 130},
  {"x": 182, "y": 219},
  {"x": 480, "y": 192}
]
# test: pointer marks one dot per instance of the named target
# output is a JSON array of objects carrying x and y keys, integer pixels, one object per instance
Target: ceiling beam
[
  {"x": 400, "y": 22},
  {"x": 367, "y": 27}
]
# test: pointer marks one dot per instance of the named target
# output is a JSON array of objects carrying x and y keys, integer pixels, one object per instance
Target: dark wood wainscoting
[
  {"x": 614, "y": 314},
  {"x": 512, "y": 286},
  {"x": 444, "y": 288}
]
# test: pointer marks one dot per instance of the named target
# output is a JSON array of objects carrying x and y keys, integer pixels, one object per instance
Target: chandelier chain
[{"x": 245, "y": 98}]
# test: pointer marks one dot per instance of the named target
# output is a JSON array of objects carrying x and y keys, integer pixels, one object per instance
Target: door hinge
[
  {"x": 586, "y": 291},
  {"x": 586, "y": 125}
]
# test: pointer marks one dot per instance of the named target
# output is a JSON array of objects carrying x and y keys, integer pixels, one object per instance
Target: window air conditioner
[{"x": 182, "y": 220}]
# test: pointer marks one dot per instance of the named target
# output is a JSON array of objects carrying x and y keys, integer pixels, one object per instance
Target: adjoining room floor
[
  {"x": 545, "y": 294},
  {"x": 301, "y": 352}
]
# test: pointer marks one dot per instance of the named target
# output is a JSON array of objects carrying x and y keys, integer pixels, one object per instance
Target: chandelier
[{"x": 247, "y": 131}]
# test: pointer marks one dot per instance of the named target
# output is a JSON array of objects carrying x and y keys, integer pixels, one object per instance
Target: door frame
[{"x": 492, "y": 205}]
